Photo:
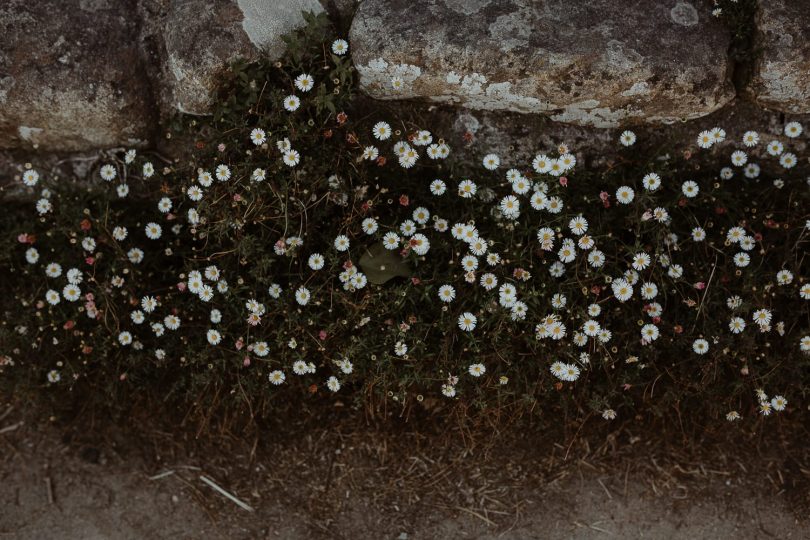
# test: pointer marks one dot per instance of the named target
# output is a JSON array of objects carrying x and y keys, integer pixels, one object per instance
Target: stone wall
[{"x": 84, "y": 74}]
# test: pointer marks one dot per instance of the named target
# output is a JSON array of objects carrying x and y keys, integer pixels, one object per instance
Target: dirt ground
[{"x": 68, "y": 481}]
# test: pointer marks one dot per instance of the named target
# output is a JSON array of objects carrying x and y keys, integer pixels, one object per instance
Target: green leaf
[{"x": 380, "y": 264}]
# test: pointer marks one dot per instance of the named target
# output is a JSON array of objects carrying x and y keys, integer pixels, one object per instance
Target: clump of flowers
[{"x": 307, "y": 250}]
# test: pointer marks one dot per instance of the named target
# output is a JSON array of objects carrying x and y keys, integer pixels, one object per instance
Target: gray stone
[
  {"x": 517, "y": 137},
  {"x": 70, "y": 78},
  {"x": 202, "y": 37},
  {"x": 600, "y": 63},
  {"x": 782, "y": 73}
]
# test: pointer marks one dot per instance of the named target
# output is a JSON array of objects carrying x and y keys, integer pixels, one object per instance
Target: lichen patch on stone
[{"x": 684, "y": 14}]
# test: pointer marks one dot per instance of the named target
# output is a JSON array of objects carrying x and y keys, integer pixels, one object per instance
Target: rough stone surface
[
  {"x": 203, "y": 36},
  {"x": 600, "y": 63},
  {"x": 782, "y": 74},
  {"x": 69, "y": 76}
]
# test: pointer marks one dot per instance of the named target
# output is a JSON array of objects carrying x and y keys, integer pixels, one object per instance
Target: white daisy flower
[
  {"x": 135, "y": 255},
  {"x": 541, "y": 163},
  {"x": 370, "y": 153},
  {"x": 407, "y": 228},
  {"x": 304, "y": 82},
  {"x": 625, "y": 195},
  {"x": 788, "y": 160},
  {"x": 43, "y": 206},
  {"x": 554, "y": 205},
  {"x": 742, "y": 259},
  {"x": 172, "y": 322},
  {"x": 447, "y": 293},
  {"x": 381, "y": 131},
  {"x": 341, "y": 242},
  {"x": 437, "y": 187},
  {"x": 567, "y": 161},
  {"x": 476, "y": 370},
  {"x": 30, "y": 177},
  {"x": 302, "y": 295},
  {"x": 420, "y": 244},
  {"x": 591, "y": 328},
  {"x": 784, "y": 277},
  {"x": 164, "y": 205},
  {"x": 750, "y": 138},
  {"x": 421, "y": 215},
  {"x": 408, "y": 158},
  {"x": 622, "y": 290},
  {"x": 340, "y": 47},
  {"x": 491, "y": 162},
  {"x": 521, "y": 185},
  {"x": 793, "y": 129},
  {"x": 705, "y": 139},
  {"x": 53, "y": 270},
  {"x": 258, "y": 136},
  {"x": 153, "y": 230},
  {"x": 578, "y": 225},
  {"x": 148, "y": 170},
  {"x": 52, "y": 297},
  {"x": 489, "y": 281},
  {"x": 222, "y": 172},
  {"x": 149, "y": 303},
  {"x": 736, "y": 325},
  {"x": 370, "y": 226},
  {"x": 391, "y": 241},
  {"x": 596, "y": 258},
  {"x": 739, "y": 158},
  {"x": 467, "y": 321},
  {"x": 627, "y": 138},
  {"x": 649, "y": 290},
  {"x": 276, "y": 377},
  {"x": 690, "y": 189},
  {"x": 108, "y": 173},
  {"x": 641, "y": 261},
  {"x": 467, "y": 189},
  {"x": 649, "y": 333},
  {"x": 274, "y": 290},
  {"x": 291, "y": 103},
  {"x": 469, "y": 263},
  {"x": 291, "y": 158},
  {"x": 775, "y": 148},
  {"x": 194, "y": 193},
  {"x": 762, "y": 317},
  {"x": 651, "y": 181},
  {"x": 423, "y": 138},
  {"x": 125, "y": 338},
  {"x": 71, "y": 292},
  {"x": 213, "y": 337},
  {"x": 333, "y": 384}
]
